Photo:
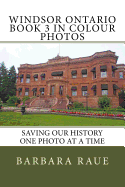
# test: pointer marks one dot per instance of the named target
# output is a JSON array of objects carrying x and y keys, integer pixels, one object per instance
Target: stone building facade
[{"x": 85, "y": 78}]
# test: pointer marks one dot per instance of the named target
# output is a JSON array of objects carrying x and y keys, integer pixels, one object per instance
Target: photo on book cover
[{"x": 62, "y": 84}]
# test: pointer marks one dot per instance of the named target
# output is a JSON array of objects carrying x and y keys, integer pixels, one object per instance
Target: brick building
[{"x": 93, "y": 76}]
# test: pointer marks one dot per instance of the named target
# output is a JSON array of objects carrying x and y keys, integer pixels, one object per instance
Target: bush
[
  {"x": 25, "y": 98},
  {"x": 12, "y": 100},
  {"x": 67, "y": 96},
  {"x": 78, "y": 105},
  {"x": 104, "y": 102}
]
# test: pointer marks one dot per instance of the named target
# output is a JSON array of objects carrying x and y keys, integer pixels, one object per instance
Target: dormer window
[
  {"x": 103, "y": 70},
  {"x": 84, "y": 73},
  {"x": 35, "y": 77},
  {"x": 74, "y": 74}
]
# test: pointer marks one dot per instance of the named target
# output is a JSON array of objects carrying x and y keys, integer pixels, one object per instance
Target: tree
[
  {"x": 12, "y": 81},
  {"x": 7, "y": 82},
  {"x": 122, "y": 98},
  {"x": 3, "y": 82}
]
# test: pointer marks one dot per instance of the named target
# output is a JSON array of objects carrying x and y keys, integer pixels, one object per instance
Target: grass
[{"x": 17, "y": 119}]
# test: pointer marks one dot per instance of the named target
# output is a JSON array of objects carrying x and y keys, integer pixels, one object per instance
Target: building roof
[{"x": 60, "y": 59}]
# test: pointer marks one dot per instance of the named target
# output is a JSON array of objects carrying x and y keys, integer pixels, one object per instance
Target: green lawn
[{"x": 16, "y": 119}]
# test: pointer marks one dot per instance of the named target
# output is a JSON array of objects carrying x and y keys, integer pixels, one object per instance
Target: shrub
[
  {"x": 25, "y": 98},
  {"x": 12, "y": 100},
  {"x": 78, "y": 105},
  {"x": 67, "y": 96},
  {"x": 104, "y": 102}
]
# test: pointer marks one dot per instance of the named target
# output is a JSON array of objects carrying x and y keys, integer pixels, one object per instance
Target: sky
[{"x": 35, "y": 53}]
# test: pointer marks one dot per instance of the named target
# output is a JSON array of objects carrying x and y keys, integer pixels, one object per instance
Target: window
[
  {"x": 84, "y": 73},
  {"x": 114, "y": 91},
  {"x": 121, "y": 75},
  {"x": 59, "y": 73},
  {"x": 104, "y": 92},
  {"x": 74, "y": 91},
  {"x": 35, "y": 77},
  {"x": 27, "y": 80},
  {"x": 84, "y": 90},
  {"x": 113, "y": 71},
  {"x": 94, "y": 75},
  {"x": 103, "y": 70},
  {"x": 61, "y": 90},
  {"x": 104, "y": 88},
  {"x": 84, "y": 93},
  {"x": 34, "y": 91},
  {"x": 20, "y": 92},
  {"x": 74, "y": 74},
  {"x": 103, "y": 74},
  {"x": 41, "y": 91},
  {"x": 94, "y": 92},
  {"x": 94, "y": 72},
  {"x": 26, "y": 91},
  {"x": 21, "y": 80},
  {"x": 115, "y": 87},
  {"x": 43, "y": 76}
]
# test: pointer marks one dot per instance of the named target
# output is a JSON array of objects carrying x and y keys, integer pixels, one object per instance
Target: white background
[
  {"x": 63, "y": 9},
  {"x": 12, "y": 137}
]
